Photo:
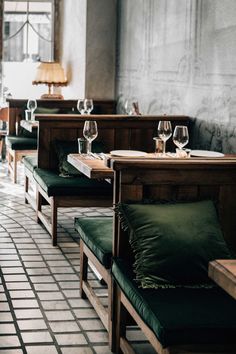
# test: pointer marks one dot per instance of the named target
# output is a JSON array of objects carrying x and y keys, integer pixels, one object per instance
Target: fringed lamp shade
[{"x": 51, "y": 74}]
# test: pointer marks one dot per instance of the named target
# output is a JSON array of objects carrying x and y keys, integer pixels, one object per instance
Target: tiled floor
[{"x": 41, "y": 311}]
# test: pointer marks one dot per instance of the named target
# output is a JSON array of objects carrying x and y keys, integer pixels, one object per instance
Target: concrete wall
[
  {"x": 178, "y": 56},
  {"x": 88, "y": 35},
  {"x": 73, "y": 46}
]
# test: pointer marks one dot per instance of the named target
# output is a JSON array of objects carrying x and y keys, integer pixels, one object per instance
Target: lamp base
[{"x": 52, "y": 96}]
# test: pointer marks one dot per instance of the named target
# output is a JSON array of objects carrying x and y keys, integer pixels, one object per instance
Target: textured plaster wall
[
  {"x": 73, "y": 46},
  {"x": 101, "y": 49},
  {"x": 178, "y": 57},
  {"x": 88, "y": 35}
]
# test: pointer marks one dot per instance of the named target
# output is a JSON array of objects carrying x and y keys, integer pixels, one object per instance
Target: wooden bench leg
[
  {"x": 83, "y": 269},
  {"x": 14, "y": 167},
  {"x": 9, "y": 163},
  {"x": 39, "y": 199},
  {"x": 54, "y": 221},
  {"x": 26, "y": 184},
  {"x": 119, "y": 320}
]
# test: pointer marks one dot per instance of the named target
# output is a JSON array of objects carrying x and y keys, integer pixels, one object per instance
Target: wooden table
[
  {"x": 223, "y": 272},
  {"x": 97, "y": 168},
  {"x": 90, "y": 166},
  {"x": 29, "y": 124}
]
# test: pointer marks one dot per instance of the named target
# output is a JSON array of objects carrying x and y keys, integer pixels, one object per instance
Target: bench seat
[
  {"x": 21, "y": 143},
  {"x": 18, "y": 147},
  {"x": 180, "y": 315},
  {"x": 96, "y": 233},
  {"x": 30, "y": 162},
  {"x": 54, "y": 185}
]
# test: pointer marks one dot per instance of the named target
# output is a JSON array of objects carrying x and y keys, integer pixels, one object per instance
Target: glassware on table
[
  {"x": 158, "y": 146},
  {"x": 32, "y": 105},
  {"x": 90, "y": 133},
  {"x": 82, "y": 146},
  {"x": 88, "y": 105},
  {"x": 27, "y": 114},
  {"x": 80, "y": 106},
  {"x": 129, "y": 109},
  {"x": 164, "y": 131},
  {"x": 180, "y": 136}
]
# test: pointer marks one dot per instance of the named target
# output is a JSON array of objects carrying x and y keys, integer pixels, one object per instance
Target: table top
[
  {"x": 223, "y": 272},
  {"x": 90, "y": 166},
  {"x": 29, "y": 124},
  {"x": 93, "y": 167}
]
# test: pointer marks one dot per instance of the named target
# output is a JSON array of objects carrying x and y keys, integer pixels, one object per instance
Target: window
[
  {"x": 28, "y": 31},
  {"x": 30, "y": 34}
]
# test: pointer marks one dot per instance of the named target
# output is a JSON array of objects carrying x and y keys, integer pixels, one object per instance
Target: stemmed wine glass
[
  {"x": 90, "y": 133},
  {"x": 88, "y": 105},
  {"x": 164, "y": 131},
  {"x": 80, "y": 106},
  {"x": 180, "y": 136},
  {"x": 32, "y": 105},
  {"x": 128, "y": 107}
]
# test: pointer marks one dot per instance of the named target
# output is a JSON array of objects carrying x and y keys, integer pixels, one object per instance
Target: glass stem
[
  {"x": 89, "y": 147},
  {"x": 164, "y": 147}
]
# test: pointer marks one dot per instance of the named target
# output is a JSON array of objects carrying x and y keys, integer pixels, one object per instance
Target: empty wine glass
[
  {"x": 80, "y": 106},
  {"x": 164, "y": 131},
  {"x": 90, "y": 133},
  {"x": 32, "y": 105},
  {"x": 129, "y": 109},
  {"x": 88, "y": 105},
  {"x": 180, "y": 136}
]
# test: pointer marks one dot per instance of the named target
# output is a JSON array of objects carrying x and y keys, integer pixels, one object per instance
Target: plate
[
  {"x": 128, "y": 153},
  {"x": 206, "y": 153}
]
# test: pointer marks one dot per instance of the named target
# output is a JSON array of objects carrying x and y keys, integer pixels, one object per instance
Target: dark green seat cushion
[
  {"x": 21, "y": 143},
  {"x": 173, "y": 243},
  {"x": 30, "y": 162},
  {"x": 63, "y": 149},
  {"x": 54, "y": 185},
  {"x": 96, "y": 232},
  {"x": 181, "y": 315}
]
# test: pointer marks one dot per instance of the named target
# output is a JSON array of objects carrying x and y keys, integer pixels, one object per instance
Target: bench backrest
[
  {"x": 17, "y": 109},
  {"x": 114, "y": 131},
  {"x": 181, "y": 180}
]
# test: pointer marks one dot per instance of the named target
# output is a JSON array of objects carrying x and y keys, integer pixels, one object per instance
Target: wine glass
[
  {"x": 88, "y": 105},
  {"x": 32, "y": 105},
  {"x": 80, "y": 106},
  {"x": 164, "y": 131},
  {"x": 129, "y": 109},
  {"x": 180, "y": 136},
  {"x": 90, "y": 133}
]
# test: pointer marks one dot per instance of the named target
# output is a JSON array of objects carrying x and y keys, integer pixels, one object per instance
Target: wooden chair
[{"x": 180, "y": 180}]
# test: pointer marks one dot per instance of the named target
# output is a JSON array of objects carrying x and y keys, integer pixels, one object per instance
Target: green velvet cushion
[
  {"x": 173, "y": 243},
  {"x": 181, "y": 315},
  {"x": 45, "y": 110},
  {"x": 21, "y": 143},
  {"x": 55, "y": 185},
  {"x": 63, "y": 149},
  {"x": 30, "y": 162},
  {"x": 96, "y": 232}
]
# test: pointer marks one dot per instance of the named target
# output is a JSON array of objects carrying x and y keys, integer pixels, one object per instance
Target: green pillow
[
  {"x": 173, "y": 243},
  {"x": 63, "y": 149},
  {"x": 45, "y": 110}
]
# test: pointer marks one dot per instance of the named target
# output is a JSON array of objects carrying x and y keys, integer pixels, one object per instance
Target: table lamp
[{"x": 51, "y": 74}]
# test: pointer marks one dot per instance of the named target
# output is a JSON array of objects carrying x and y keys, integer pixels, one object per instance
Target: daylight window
[{"x": 28, "y": 31}]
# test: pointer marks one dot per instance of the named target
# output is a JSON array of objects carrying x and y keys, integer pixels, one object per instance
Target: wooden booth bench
[
  {"x": 196, "y": 318},
  {"x": 21, "y": 142},
  {"x": 57, "y": 137},
  {"x": 174, "y": 319}
]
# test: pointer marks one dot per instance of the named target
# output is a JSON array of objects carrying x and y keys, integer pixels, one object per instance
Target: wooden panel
[
  {"x": 215, "y": 180},
  {"x": 115, "y": 131}
]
